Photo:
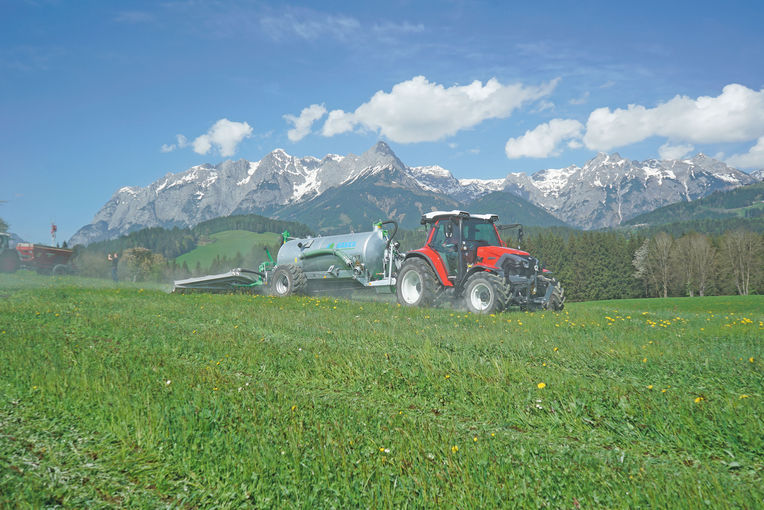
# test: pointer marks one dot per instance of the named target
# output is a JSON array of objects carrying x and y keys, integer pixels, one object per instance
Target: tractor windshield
[{"x": 480, "y": 230}]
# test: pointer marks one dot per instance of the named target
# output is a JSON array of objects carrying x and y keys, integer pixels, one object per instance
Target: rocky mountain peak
[{"x": 607, "y": 190}]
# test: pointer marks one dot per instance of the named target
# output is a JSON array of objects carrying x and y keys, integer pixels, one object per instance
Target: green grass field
[
  {"x": 131, "y": 397},
  {"x": 227, "y": 244}
]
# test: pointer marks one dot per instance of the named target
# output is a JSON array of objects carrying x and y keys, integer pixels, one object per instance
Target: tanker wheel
[
  {"x": 485, "y": 293},
  {"x": 288, "y": 280},
  {"x": 417, "y": 284},
  {"x": 9, "y": 261},
  {"x": 557, "y": 299},
  {"x": 60, "y": 270}
]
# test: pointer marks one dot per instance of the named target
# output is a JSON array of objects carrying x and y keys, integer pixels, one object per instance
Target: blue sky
[{"x": 94, "y": 94}]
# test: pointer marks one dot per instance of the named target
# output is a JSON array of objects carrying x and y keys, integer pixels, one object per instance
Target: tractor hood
[{"x": 489, "y": 253}]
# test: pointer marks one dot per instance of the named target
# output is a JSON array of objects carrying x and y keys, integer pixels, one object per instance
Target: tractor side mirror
[{"x": 449, "y": 230}]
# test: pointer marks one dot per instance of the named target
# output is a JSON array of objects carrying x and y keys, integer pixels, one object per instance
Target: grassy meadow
[{"x": 123, "y": 396}]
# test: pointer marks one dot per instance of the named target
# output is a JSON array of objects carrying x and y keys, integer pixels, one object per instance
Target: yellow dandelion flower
[
  {"x": 650, "y": 386},
  {"x": 474, "y": 439},
  {"x": 751, "y": 359},
  {"x": 294, "y": 408},
  {"x": 448, "y": 376},
  {"x": 644, "y": 360},
  {"x": 556, "y": 349},
  {"x": 743, "y": 396},
  {"x": 698, "y": 399},
  {"x": 541, "y": 385},
  {"x": 454, "y": 449}
]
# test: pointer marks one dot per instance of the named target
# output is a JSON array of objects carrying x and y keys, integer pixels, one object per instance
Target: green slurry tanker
[{"x": 464, "y": 259}]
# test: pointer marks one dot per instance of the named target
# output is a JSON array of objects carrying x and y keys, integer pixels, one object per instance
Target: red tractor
[{"x": 465, "y": 258}]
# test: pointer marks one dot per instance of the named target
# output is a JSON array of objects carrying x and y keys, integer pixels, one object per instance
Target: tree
[
  {"x": 653, "y": 263},
  {"x": 702, "y": 259},
  {"x": 3, "y": 226},
  {"x": 742, "y": 252},
  {"x": 141, "y": 264}
]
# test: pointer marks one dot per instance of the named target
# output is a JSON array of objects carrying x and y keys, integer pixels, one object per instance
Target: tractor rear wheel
[
  {"x": 288, "y": 280},
  {"x": 417, "y": 284},
  {"x": 485, "y": 293},
  {"x": 9, "y": 261}
]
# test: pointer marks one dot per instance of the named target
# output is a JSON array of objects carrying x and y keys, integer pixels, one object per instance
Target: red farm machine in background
[{"x": 36, "y": 257}]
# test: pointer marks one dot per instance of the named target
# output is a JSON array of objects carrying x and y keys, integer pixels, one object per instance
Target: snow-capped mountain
[
  {"x": 758, "y": 174},
  {"x": 609, "y": 189},
  {"x": 604, "y": 192}
]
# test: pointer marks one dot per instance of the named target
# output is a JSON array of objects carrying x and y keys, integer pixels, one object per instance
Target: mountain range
[{"x": 342, "y": 193}]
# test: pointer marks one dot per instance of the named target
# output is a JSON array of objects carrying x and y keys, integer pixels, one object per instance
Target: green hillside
[
  {"x": 513, "y": 209},
  {"x": 175, "y": 242},
  {"x": 742, "y": 202},
  {"x": 227, "y": 244}
]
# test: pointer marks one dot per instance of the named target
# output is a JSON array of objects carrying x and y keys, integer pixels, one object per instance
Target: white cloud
[
  {"x": 580, "y": 100},
  {"x": 754, "y": 158},
  {"x": 420, "y": 111},
  {"x": 405, "y": 27},
  {"x": 304, "y": 122},
  {"x": 224, "y": 135},
  {"x": 668, "y": 151},
  {"x": 543, "y": 105},
  {"x": 182, "y": 141},
  {"x": 338, "y": 122},
  {"x": 543, "y": 141},
  {"x": 309, "y": 25},
  {"x": 736, "y": 115}
]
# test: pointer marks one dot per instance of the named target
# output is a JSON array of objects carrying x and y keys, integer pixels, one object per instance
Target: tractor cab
[
  {"x": 461, "y": 243},
  {"x": 465, "y": 257}
]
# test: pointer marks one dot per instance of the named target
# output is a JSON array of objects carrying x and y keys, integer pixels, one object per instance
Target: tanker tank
[{"x": 345, "y": 251}]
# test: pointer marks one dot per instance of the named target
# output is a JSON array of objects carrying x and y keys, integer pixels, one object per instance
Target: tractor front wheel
[
  {"x": 484, "y": 293},
  {"x": 417, "y": 283},
  {"x": 557, "y": 299},
  {"x": 287, "y": 280}
]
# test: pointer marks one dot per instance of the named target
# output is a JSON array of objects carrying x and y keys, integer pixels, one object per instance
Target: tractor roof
[{"x": 433, "y": 216}]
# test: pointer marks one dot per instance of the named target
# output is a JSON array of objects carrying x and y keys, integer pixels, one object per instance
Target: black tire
[
  {"x": 485, "y": 293},
  {"x": 60, "y": 270},
  {"x": 288, "y": 280},
  {"x": 557, "y": 300},
  {"x": 417, "y": 285},
  {"x": 9, "y": 261}
]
